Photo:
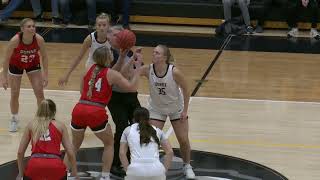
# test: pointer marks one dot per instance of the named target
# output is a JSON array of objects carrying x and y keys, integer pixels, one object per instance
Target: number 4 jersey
[
  {"x": 165, "y": 94},
  {"x": 25, "y": 56},
  {"x": 101, "y": 91}
]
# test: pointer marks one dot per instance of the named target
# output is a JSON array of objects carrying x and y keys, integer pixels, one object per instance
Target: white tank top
[
  {"x": 95, "y": 45},
  {"x": 146, "y": 151},
  {"x": 165, "y": 94}
]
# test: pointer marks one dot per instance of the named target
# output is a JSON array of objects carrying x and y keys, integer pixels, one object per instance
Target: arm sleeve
[{"x": 125, "y": 134}]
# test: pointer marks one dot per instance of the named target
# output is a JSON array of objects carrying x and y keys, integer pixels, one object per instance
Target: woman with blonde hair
[
  {"x": 169, "y": 97},
  {"x": 46, "y": 135},
  {"x": 92, "y": 42},
  {"x": 23, "y": 54},
  {"x": 90, "y": 111}
]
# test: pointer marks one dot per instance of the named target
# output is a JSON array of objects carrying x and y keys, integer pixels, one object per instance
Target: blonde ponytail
[
  {"x": 92, "y": 80},
  {"x": 45, "y": 113}
]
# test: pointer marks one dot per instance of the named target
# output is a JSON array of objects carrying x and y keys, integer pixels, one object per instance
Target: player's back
[{"x": 101, "y": 90}]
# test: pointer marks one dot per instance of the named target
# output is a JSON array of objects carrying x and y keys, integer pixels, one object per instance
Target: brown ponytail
[{"x": 141, "y": 116}]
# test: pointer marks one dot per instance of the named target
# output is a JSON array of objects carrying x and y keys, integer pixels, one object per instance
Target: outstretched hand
[{"x": 63, "y": 81}]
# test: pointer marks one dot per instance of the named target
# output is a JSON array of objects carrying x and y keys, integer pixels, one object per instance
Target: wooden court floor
[{"x": 260, "y": 106}]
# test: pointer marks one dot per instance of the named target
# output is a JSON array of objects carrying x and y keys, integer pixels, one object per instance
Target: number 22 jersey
[
  {"x": 165, "y": 93},
  {"x": 25, "y": 56}
]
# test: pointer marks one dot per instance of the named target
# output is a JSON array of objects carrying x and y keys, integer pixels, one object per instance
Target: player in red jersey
[
  {"x": 46, "y": 135},
  {"x": 90, "y": 110},
  {"x": 23, "y": 54}
]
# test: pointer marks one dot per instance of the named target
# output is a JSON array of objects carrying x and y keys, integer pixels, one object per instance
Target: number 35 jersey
[
  {"x": 25, "y": 56},
  {"x": 101, "y": 90},
  {"x": 165, "y": 93}
]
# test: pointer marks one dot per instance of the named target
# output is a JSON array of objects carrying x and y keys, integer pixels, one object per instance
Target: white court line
[{"x": 209, "y": 98}]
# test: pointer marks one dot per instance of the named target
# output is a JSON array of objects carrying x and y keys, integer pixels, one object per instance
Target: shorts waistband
[
  {"x": 92, "y": 103},
  {"x": 43, "y": 155},
  {"x": 145, "y": 160}
]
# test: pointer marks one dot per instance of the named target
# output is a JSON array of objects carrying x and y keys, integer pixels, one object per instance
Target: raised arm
[
  {"x": 13, "y": 43},
  {"x": 120, "y": 62},
  {"x": 85, "y": 46},
  {"x": 135, "y": 60},
  {"x": 44, "y": 59},
  {"x": 178, "y": 77},
  {"x": 116, "y": 78},
  {"x": 25, "y": 140}
]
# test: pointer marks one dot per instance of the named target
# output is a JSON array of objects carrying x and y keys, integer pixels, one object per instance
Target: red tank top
[
  {"x": 49, "y": 143},
  {"x": 25, "y": 56},
  {"x": 101, "y": 91}
]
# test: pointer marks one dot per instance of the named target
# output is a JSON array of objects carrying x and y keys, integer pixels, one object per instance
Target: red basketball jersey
[
  {"x": 25, "y": 56},
  {"x": 101, "y": 91},
  {"x": 48, "y": 143}
]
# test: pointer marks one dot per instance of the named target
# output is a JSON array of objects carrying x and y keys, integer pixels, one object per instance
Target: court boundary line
[
  {"x": 196, "y": 97},
  {"x": 213, "y": 62}
]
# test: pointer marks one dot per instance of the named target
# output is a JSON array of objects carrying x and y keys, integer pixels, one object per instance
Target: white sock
[
  {"x": 105, "y": 174},
  {"x": 15, "y": 116}
]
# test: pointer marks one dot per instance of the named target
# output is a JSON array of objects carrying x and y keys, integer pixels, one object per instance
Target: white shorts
[
  {"x": 157, "y": 115},
  {"x": 146, "y": 171}
]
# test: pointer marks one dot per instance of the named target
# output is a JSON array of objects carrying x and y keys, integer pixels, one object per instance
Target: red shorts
[
  {"x": 94, "y": 117},
  {"x": 43, "y": 168}
]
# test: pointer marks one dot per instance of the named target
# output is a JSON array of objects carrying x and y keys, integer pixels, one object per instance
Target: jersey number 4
[
  {"x": 97, "y": 85},
  {"x": 26, "y": 58},
  {"x": 162, "y": 91}
]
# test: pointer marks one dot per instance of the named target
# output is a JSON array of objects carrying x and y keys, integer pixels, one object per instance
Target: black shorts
[{"x": 14, "y": 70}]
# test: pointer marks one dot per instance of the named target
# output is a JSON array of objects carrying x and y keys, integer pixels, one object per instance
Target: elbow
[{"x": 20, "y": 154}]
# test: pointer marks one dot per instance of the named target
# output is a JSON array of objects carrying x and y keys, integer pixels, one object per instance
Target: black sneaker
[
  {"x": 118, "y": 171},
  {"x": 65, "y": 23},
  {"x": 259, "y": 29},
  {"x": 39, "y": 18},
  {"x": 56, "y": 21}
]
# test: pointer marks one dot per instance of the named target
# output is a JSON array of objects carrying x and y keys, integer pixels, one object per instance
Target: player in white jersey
[
  {"x": 169, "y": 97},
  {"x": 144, "y": 140},
  {"x": 92, "y": 42}
]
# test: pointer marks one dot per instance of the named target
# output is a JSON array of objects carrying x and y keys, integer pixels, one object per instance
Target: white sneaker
[
  {"x": 188, "y": 172},
  {"x": 13, "y": 127},
  {"x": 293, "y": 32},
  {"x": 314, "y": 33}
]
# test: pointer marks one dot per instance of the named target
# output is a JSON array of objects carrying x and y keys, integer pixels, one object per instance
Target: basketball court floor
[{"x": 254, "y": 112}]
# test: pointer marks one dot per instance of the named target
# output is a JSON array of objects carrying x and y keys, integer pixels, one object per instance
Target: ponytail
[
  {"x": 141, "y": 115},
  {"x": 93, "y": 80},
  {"x": 45, "y": 113}
]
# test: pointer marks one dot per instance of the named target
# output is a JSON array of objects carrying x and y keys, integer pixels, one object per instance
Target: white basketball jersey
[
  {"x": 165, "y": 94},
  {"x": 95, "y": 45},
  {"x": 146, "y": 151}
]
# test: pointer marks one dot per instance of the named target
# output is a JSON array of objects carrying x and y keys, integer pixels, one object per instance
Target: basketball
[{"x": 126, "y": 39}]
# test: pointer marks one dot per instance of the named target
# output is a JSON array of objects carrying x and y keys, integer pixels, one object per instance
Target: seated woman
[
  {"x": 144, "y": 140},
  {"x": 243, "y": 5}
]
